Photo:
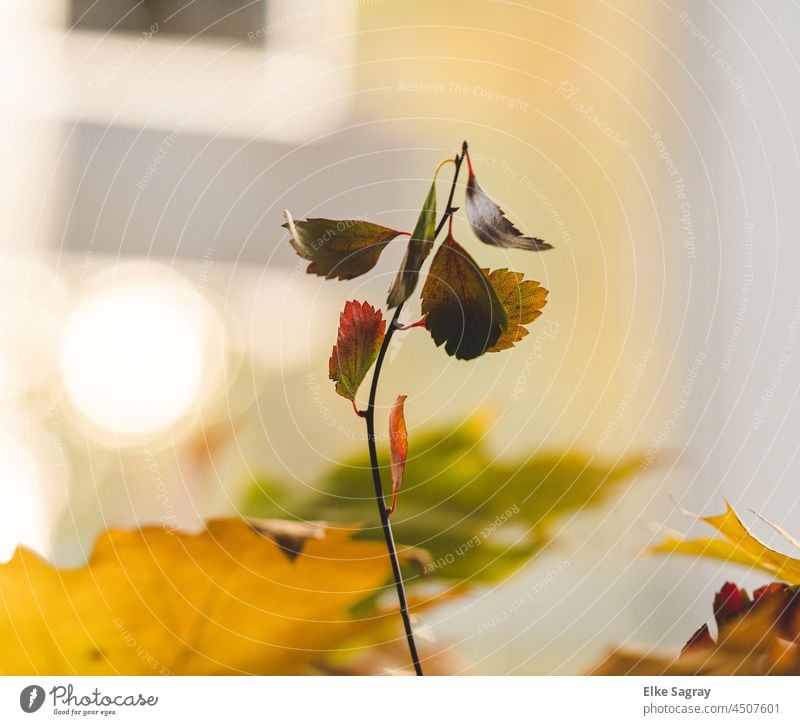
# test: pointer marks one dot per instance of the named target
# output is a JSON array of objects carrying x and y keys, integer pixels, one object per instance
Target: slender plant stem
[
  {"x": 382, "y": 510},
  {"x": 369, "y": 416}
]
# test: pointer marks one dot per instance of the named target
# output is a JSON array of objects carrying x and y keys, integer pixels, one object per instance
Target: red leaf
[
  {"x": 361, "y": 332},
  {"x": 768, "y": 589},
  {"x": 762, "y": 627},
  {"x": 398, "y": 443},
  {"x": 729, "y": 602}
]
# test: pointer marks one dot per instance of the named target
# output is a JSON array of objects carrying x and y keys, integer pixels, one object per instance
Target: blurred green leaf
[{"x": 479, "y": 518}]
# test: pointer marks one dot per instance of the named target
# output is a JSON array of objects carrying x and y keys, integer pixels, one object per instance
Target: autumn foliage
[{"x": 467, "y": 309}]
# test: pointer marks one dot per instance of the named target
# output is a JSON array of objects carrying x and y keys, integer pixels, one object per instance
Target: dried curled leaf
[
  {"x": 758, "y": 636},
  {"x": 738, "y": 545},
  {"x": 361, "y": 332},
  {"x": 461, "y": 306},
  {"x": 490, "y": 224},
  {"x": 523, "y": 301},
  {"x": 398, "y": 446},
  {"x": 419, "y": 247},
  {"x": 338, "y": 249},
  {"x": 765, "y": 633},
  {"x": 238, "y": 597}
]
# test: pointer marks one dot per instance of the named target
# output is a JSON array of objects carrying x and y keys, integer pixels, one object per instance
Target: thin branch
[{"x": 369, "y": 416}]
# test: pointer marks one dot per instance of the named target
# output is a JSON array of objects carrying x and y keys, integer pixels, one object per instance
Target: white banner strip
[{"x": 399, "y": 700}]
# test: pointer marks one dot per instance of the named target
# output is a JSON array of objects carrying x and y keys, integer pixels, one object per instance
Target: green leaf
[
  {"x": 480, "y": 518},
  {"x": 461, "y": 306},
  {"x": 419, "y": 247},
  {"x": 361, "y": 332},
  {"x": 340, "y": 249},
  {"x": 523, "y": 301}
]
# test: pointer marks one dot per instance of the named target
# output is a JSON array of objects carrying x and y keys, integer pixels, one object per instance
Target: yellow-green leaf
[
  {"x": 338, "y": 248},
  {"x": 523, "y": 301},
  {"x": 419, "y": 247}
]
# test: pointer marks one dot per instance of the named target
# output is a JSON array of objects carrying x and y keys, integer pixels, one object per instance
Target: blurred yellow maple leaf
[
  {"x": 738, "y": 545},
  {"x": 239, "y": 597}
]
